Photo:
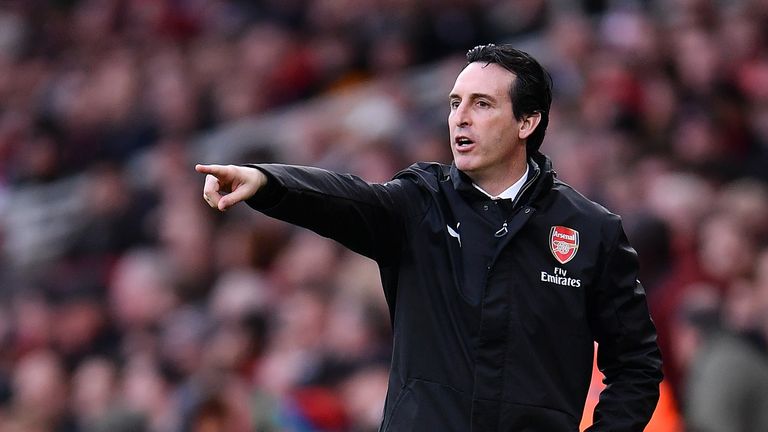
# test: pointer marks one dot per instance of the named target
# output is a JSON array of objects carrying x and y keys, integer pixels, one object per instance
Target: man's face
[{"x": 484, "y": 132}]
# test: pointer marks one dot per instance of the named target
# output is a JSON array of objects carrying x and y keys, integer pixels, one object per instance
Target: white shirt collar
[{"x": 512, "y": 191}]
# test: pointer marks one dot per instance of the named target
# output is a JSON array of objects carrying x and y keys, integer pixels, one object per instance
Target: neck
[{"x": 497, "y": 184}]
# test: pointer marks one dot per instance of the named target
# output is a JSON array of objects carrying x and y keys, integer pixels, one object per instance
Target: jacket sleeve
[
  {"x": 367, "y": 218},
  {"x": 628, "y": 355}
]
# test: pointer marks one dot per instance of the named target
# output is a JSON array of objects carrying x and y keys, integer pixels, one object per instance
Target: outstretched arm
[
  {"x": 367, "y": 218},
  {"x": 227, "y": 185}
]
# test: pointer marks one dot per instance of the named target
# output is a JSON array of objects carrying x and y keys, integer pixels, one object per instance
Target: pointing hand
[{"x": 227, "y": 185}]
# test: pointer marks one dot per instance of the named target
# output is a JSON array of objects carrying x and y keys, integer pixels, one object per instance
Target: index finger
[{"x": 216, "y": 170}]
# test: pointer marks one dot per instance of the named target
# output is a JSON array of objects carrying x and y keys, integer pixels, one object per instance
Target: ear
[{"x": 528, "y": 125}]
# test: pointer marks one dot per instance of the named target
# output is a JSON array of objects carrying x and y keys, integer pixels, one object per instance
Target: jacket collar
[{"x": 539, "y": 168}]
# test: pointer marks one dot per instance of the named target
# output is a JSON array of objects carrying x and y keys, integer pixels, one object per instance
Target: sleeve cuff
[{"x": 270, "y": 194}]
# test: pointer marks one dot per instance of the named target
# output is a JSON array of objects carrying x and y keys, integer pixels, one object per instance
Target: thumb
[{"x": 240, "y": 193}]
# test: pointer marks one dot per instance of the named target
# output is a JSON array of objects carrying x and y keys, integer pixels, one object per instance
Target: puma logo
[{"x": 454, "y": 232}]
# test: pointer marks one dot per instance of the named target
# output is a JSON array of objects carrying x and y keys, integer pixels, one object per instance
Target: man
[{"x": 498, "y": 276}]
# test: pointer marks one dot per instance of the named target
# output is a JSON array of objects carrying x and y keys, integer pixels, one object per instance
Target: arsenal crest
[{"x": 563, "y": 242}]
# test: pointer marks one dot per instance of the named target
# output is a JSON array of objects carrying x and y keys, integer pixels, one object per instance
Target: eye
[
  {"x": 455, "y": 103},
  {"x": 483, "y": 104}
]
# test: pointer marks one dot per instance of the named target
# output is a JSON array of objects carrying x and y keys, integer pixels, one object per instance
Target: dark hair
[{"x": 531, "y": 90}]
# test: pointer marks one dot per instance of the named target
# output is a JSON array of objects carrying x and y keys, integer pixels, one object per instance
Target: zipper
[{"x": 503, "y": 230}]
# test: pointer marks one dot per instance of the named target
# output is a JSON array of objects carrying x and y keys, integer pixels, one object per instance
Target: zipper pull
[{"x": 502, "y": 231}]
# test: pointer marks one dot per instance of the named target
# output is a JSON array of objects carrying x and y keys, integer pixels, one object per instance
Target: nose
[{"x": 461, "y": 116}]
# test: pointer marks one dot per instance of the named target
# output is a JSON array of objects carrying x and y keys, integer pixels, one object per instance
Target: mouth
[{"x": 463, "y": 143}]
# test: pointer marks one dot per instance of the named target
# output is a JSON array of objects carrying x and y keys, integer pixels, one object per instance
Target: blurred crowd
[{"x": 126, "y": 304}]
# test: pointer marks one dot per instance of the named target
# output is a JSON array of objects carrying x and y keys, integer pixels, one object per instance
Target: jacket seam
[
  {"x": 294, "y": 189},
  {"x": 438, "y": 383},
  {"x": 404, "y": 389},
  {"x": 603, "y": 273}
]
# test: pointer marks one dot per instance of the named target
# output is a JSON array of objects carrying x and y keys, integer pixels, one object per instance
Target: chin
[{"x": 464, "y": 165}]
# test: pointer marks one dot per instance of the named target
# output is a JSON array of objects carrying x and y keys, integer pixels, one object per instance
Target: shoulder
[
  {"x": 566, "y": 203},
  {"x": 569, "y": 197},
  {"x": 425, "y": 174}
]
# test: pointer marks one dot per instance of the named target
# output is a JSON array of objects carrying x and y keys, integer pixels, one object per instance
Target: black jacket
[{"x": 491, "y": 331}]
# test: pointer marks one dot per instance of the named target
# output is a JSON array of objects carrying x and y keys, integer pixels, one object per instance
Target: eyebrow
[{"x": 473, "y": 96}]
